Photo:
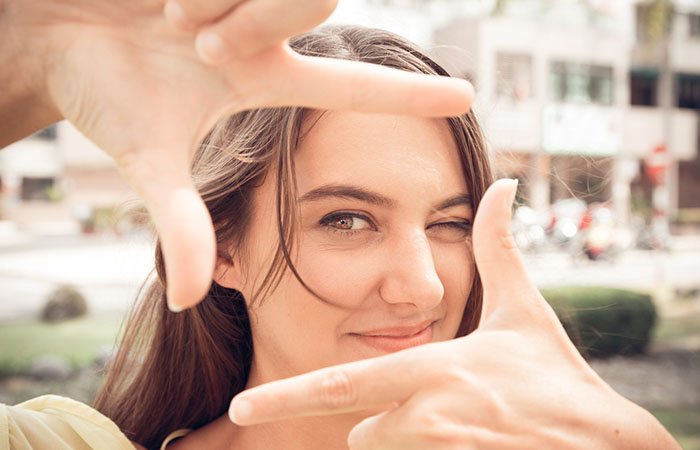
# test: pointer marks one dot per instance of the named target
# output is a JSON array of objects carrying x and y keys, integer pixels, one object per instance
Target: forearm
[{"x": 25, "y": 105}]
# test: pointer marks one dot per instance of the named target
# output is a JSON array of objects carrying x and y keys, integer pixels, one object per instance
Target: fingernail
[
  {"x": 240, "y": 410},
  {"x": 211, "y": 47},
  {"x": 174, "y": 14}
]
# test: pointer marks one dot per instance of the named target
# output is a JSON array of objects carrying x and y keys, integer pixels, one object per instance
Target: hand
[
  {"x": 516, "y": 382},
  {"x": 134, "y": 85}
]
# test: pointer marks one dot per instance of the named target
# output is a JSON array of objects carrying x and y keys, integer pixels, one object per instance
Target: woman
[
  {"x": 256, "y": 159},
  {"x": 341, "y": 237}
]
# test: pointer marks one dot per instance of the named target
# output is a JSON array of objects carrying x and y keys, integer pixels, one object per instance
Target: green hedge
[{"x": 603, "y": 321}]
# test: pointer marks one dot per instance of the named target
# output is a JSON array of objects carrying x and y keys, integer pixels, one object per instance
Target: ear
[{"x": 227, "y": 272}]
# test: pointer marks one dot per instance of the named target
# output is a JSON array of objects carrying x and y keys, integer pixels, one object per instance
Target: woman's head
[
  {"x": 345, "y": 232},
  {"x": 258, "y": 147},
  {"x": 382, "y": 220}
]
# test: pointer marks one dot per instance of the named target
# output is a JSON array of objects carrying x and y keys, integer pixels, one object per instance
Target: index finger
[
  {"x": 338, "y": 84},
  {"x": 349, "y": 387}
]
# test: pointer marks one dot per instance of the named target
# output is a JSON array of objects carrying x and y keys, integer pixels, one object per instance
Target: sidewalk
[{"x": 108, "y": 270}]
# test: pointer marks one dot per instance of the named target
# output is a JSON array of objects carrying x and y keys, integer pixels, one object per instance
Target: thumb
[
  {"x": 500, "y": 265},
  {"x": 183, "y": 222}
]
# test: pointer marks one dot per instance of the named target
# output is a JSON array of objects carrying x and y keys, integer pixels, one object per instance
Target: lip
[{"x": 395, "y": 339}]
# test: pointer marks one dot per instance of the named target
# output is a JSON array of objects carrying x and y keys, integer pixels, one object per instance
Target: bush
[
  {"x": 602, "y": 321},
  {"x": 65, "y": 302}
]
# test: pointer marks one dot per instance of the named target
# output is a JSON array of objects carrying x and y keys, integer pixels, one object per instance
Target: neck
[
  {"x": 307, "y": 433},
  {"x": 303, "y": 433}
]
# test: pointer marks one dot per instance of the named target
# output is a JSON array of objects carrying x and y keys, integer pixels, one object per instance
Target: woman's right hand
[{"x": 133, "y": 82}]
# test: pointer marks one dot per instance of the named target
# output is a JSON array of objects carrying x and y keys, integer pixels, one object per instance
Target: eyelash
[
  {"x": 330, "y": 218},
  {"x": 465, "y": 225},
  {"x": 326, "y": 221}
]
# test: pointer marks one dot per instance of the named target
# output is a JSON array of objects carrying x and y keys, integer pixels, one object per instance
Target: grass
[
  {"x": 670, "y": 329},
  {"x": 683, "y": 423},
  {"x": 77, "y": 340}
]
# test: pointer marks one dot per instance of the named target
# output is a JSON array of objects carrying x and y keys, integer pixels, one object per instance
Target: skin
[{"x": 400, "y": 268}]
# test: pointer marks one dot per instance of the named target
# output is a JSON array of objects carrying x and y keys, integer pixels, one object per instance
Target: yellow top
[{"x": 59, "y": 423}]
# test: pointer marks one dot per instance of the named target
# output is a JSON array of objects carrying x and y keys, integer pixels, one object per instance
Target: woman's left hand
[{"x": 515, "y": 382}]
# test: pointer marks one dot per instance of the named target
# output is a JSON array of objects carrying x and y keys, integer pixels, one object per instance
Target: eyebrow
[
  {"x": 373, "y": 198},
  {"x": 457, "y": 200}
]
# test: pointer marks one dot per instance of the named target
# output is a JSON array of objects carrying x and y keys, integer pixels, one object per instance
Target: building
[
  {"x": 56, "y": 179},
  {"x": 665, "y": 90},
  {"x": 574, "y": 97},
  {"x": 568, "y": 94}
]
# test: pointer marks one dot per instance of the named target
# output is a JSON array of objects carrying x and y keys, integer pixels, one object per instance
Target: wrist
[
  {"x": 650, "y": 433},
  {"x": 629, "y": 426},
  {"x": 25, "y": 105}
]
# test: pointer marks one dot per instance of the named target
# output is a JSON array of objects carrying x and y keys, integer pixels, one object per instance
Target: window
[
  {"x": 643, "y": 88},
  {"x": 36, "y": 188},
  {"x": 581, "y": 83},
  {"x": 513, "y": 76},
  {"x": 688, "y": 91},
  {"x": 694, "y": 25},
  {"x": 48, "y": 133},
  {"x": 600, "y": 84},
  {"x": 653, "y": 20},
  {"x": 642, "y": 14}
]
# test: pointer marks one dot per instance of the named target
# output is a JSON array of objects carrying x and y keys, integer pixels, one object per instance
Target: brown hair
[{"x": 181, "y": 370}]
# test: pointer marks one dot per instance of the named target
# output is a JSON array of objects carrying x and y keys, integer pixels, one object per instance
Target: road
[
  {"x": 109, "y": 270},
  {"x": 678, "y": 267}
]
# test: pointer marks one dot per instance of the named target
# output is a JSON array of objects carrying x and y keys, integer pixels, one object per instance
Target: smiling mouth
[{"x": 395, "y": 339}]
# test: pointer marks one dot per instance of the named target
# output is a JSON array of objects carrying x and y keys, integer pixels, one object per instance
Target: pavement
[
  {"x": 109, "y": 270},
  {"x": 677, "y": 267}
]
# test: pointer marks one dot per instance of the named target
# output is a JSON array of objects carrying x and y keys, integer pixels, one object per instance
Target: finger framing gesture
[{"x": 516, "y": 382}]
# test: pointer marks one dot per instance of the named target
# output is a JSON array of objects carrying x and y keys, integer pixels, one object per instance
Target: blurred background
[{"x": 593, "y": 105}]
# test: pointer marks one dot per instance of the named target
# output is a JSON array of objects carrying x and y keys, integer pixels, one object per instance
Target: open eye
[
  {"x": 347, "y": 222},
  {"x": 451, "y": 231}
]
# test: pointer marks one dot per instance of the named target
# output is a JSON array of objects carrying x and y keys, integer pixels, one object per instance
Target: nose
[{"x": 410, "y": 276}]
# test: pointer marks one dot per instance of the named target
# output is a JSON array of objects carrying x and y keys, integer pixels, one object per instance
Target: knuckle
[
  {"x": 508, "y": 242},
  {"x": 437, "y": 429},
  {"x": 337, "y": 390}
]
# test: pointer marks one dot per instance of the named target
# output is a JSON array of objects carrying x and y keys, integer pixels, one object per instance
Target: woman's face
[{"x": 384, "y": 228}]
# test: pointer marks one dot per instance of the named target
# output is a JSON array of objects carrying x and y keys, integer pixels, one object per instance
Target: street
[{"x": 110, "y": 270}]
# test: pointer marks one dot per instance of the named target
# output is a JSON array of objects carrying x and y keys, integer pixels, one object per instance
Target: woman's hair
[{"x": 181, "y": 370}]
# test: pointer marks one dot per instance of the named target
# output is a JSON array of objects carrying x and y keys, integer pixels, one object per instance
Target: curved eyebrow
[
  {"x": 373, "y": 198},
  {"x": 457, "y": 200}
]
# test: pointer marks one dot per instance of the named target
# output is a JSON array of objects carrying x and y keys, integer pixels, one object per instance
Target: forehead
[{"x": 397, "y": 155}]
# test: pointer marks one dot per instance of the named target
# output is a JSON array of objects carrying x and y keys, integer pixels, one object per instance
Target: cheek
[{"x": 343, "y": 277}]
